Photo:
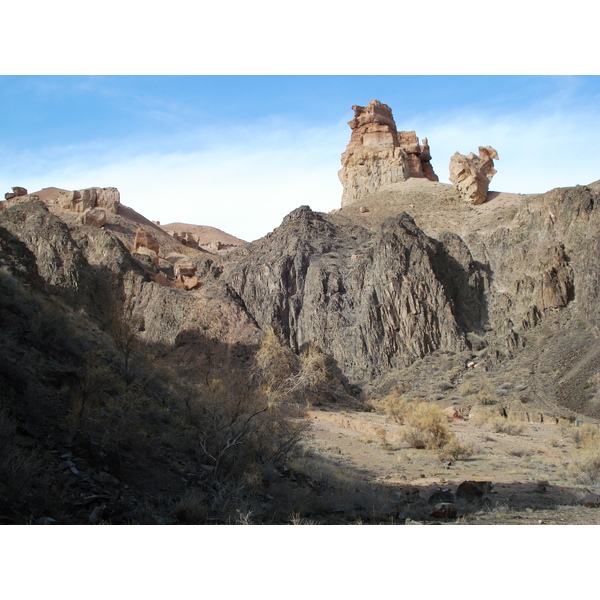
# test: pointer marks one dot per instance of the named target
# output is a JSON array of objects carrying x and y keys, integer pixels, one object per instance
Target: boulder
[
  {"x": 96, "y": 217},
  {"x": 161, "y": 279},
  {"x": 473, "y": 491},
  {"x": 17, "y": 192},
  {"x": 442, "y": 495},
  {"x": 174, "y": 257},
  {"x": 444, "y": 510},
  {"x": 191, "y": 283},
  {"x": 144, "y": 239},
  {"x": 149, "y": 255},
  {"x": 185, "y": 269},
  {"x": 471, "y": 175},
  {"x": 453, "y": 414},
  {"x": 591, "y": 500}
]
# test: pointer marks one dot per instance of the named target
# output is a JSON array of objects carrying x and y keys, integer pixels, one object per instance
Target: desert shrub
[
  {"x": 481, "y": 415},
  {"x": 396, "y": 403},
  {"x": 283, "y": 376},
  {"x": 587, "y": 462},
  {"x": 275, "y": 365},
  {"x": 587, "y": 457},
  {"x": 427, "y": 426},
  {"x": 381, "y": 433},
  {"x": 467, "y": 388},
  {"x": 314, "y": 371},
  {"x": 502, "y": 425},
  {"x": 485, "y": 398},
  {"x": 244, "y": 422},
  {"x": 238, "y": 425},
  {"x": 454, "y": 449},
  {"x": 587, "y": 436}
]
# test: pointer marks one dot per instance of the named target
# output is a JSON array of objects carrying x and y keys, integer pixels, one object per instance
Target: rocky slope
[
  {"x": 380, "y": 294},
  {"x": 414, "y": 271},
  {"x": 405, "y": 285}
]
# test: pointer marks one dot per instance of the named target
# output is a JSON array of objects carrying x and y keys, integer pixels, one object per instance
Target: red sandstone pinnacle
[{"x": 378, "y": 154}]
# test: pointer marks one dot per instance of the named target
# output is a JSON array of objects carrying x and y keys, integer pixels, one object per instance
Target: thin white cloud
[
  {"x": 245, "y": 179},
  {"x": 537, "y": 152},
  {"x": 245, "y": 187}
]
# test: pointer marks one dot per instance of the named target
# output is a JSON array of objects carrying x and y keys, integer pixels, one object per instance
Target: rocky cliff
[
  {"x": 371, "y": 299},
  {"x": 374, "y": 290},
  {"x": 414, "y": 271}
]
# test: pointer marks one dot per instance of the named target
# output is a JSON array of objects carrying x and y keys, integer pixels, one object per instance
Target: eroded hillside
[{"x": 150, "y": 377}]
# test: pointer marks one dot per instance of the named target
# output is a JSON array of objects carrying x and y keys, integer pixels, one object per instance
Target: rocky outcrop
[
  {"x": 96, "y": 217},
  {"x": 80, "y": 201},
  {"x": 202, "y": 237},
  {"x": 59, "y": 259},
  {"x": 372, "y": 300},
  {"x": 471, "y": 175},
  {"x": 378, "y": 155},
  {"x": 144, "y": 239},
  {"x": 418, "y": 155},
  {"x": 17, "y": 192}
]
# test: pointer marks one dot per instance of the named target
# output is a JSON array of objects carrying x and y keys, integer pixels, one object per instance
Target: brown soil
[
  {"x": 205, "y": 234},
  {"x": 435, "y": 207},
  {"x": 532, "y": 472}
]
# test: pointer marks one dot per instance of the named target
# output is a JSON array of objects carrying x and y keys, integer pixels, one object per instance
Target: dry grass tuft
[
  {"x": 587, "y": 457},
  {"x": 426, "y": 426},
  {"x": 502, "y": 425}
]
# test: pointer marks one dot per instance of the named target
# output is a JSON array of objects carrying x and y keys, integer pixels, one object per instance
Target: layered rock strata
[
  {"x": 378, "y": 154},
  {"x": 79, "y": 201},
  {"x": 471, "y": 175}
]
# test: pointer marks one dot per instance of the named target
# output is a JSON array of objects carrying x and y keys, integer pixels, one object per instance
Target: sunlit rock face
[
  {"x": 378, "y": 154},
  {"x": 471, "y": 174}
]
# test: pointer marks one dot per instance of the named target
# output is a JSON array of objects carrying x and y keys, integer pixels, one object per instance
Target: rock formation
[
  {"x": 79, "y": 201},
  {"x": 373, "y": 300},
  {"x": 96, "y": 217},
  {"x": 144, "y": 239},
  {"x": 17, "y": 192},
  {"x": 203, "y": 237},
  {"x": 471, "y": 175},
  {"x": 379, "y": 155}
]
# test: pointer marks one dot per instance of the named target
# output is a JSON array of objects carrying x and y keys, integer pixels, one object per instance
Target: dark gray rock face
[
  {"x": 544, "y": 259},
  {"x": 373, "y": 300},
  {"x": 59, "y": 260}
]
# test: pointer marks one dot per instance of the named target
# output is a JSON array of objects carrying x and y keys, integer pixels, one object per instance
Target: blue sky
[{"x": 240, "y": 152}]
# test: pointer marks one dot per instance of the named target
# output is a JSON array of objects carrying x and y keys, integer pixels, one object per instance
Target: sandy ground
[
  {"x": 534, "y": 480},
  {"x": 205, "y": 233}
]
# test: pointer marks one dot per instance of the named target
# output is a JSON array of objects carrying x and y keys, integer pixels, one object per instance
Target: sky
[{"x": 241, "y": 152}]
